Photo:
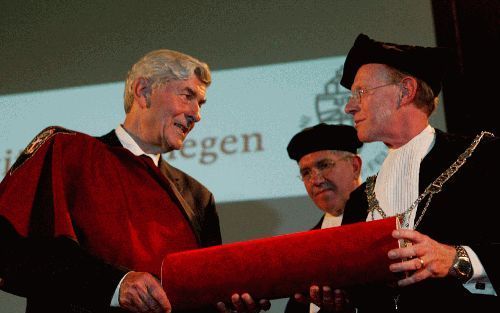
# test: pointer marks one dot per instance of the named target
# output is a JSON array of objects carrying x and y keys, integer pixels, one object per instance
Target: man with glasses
[
  {"x": 443, "y": 187},
  {"x": 331, "y": 170}
]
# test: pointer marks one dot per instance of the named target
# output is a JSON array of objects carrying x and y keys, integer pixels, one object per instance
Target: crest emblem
[
  {"x": 330, "y": 104},
  {"x": 36, "y": 143}
]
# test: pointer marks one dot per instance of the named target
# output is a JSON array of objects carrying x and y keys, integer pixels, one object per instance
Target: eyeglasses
[
  {"x": 321, "y": 168},
  {"x": 356, "y": 94}
]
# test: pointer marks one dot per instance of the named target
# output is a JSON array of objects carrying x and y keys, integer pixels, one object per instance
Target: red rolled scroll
[{"x": 279, "y": 266}]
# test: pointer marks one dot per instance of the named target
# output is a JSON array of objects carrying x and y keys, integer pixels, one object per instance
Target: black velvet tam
[
  {"x": 426, "y": 63},
  {"x": 323, "y": 137}
]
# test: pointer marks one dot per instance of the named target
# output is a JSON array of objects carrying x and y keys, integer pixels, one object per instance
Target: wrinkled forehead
[
  {"x": 370, "y": 73},
  {"x": 192, "y": 83}
]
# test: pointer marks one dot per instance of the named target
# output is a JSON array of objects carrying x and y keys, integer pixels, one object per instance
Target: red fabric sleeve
[
  {"x": 279, "y": 266},
  {"x": 27, "y": 193}
]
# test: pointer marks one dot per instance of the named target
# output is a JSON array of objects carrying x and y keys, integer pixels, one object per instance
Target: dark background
[{"x": 470, "y": 91}]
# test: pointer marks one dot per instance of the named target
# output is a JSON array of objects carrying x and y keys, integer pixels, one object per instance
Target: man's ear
[
  {"x": 408, "y": 87},
  {"x": 142, "y": 91},
  {"x": 357, "y": 163}
]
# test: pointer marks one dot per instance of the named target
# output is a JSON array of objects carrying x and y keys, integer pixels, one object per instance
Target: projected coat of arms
[{"x": 330, "y": 105}]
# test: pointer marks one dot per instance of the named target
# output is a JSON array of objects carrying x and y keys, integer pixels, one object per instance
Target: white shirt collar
[
  {"x": 397, "y": 185},
  {"x": 423, "y": 142},
  {"x": 129, "y": 143},
  {"x": 331, "y": 221}
]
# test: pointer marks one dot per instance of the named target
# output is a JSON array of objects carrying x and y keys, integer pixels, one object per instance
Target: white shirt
[
  {"x": 331, "y": 221},
  {"x": 128, "y": 143}
]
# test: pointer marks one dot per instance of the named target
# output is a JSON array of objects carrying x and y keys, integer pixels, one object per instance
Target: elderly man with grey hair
[{"x": 85, "y": 222}]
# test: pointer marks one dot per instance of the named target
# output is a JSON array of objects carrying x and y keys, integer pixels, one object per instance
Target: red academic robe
[{"x": 118, "y": 207}]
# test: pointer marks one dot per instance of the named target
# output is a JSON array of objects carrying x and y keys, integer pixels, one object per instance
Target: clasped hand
[
  {"x": 424, "y": 258},
  {"x": 244, "y": 304},
  {"x": 327, "y": 299}
]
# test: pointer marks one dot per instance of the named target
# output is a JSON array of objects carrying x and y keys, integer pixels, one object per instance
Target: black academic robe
[
  {"x": 463, "y": 213},
  {"x": 49, "y": 256}
]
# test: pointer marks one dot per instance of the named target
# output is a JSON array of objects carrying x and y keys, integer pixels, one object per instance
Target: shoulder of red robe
[{"x": 36, "y": 143}]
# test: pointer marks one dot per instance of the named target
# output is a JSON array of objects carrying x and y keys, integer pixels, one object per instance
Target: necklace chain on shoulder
[{"x": 432, "y": 189}]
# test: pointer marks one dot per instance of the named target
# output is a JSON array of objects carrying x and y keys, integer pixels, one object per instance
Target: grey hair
[
  {"x": 161, "y": 66},
  {"x": 347, "y": 154},
  {"x": 342, "y": 153},
  {"x": 424, "y": 98}
]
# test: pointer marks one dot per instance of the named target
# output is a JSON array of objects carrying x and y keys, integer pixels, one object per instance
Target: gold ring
[{"x": 421, "y": 262}]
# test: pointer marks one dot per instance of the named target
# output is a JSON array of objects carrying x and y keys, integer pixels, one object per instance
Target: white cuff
[
  {"x": 115, "y": 301},
  {"x": 480, "y": 282}
]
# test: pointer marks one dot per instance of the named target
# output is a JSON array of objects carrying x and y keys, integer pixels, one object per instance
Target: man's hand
[
  {"x": 142, "y": 292},
  {"x": 244, "y": 304},
  {"x": 425, "y": 257},
  {"x": 326, "y": 299}
]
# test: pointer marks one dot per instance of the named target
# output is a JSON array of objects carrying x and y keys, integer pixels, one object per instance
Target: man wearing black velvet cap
[
  {"x": 441, "y": 186},
  {"x": 330, "y": 169}
]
